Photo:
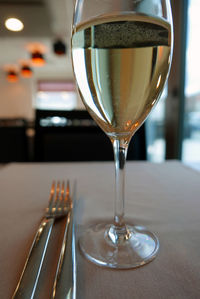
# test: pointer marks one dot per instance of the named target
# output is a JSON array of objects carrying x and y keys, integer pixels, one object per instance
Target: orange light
[
  {"x": 26, "y": 71},
  {"x": 12, "y": 76},
  {"x": 37, "y": 59}
]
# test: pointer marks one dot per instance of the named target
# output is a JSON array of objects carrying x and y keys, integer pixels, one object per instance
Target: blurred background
[{"x": 41, "y": 115}]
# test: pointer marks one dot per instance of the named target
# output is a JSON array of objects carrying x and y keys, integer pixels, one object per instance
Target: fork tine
[
  {"x": 67, "y": 200},
  {"x": 57, "y": 197},
  {"x": 67, "y": 195},
  {"x": 51, "y": 196},
  {"x": 62, "y": 191},
  {"x": 61, "y": 197},
  {"x": 57, "y": 190}
]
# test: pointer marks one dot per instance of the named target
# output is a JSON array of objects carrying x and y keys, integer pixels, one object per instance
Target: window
[
  {"x": 155, "y": 131},
  {"x": 191, "y": 142},
  {"x": 56, "y": 96}
]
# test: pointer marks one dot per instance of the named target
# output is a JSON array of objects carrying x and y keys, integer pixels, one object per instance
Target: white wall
[{"x": 16, "y": 98}]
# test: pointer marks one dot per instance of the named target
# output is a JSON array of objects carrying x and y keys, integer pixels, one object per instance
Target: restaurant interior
[
  {"x": 42, "y": 117},
  {"x": 69, "y": 226}
]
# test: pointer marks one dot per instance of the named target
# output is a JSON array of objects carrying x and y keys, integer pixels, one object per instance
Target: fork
[
  {"x": 59, "y": 205},
  {"x": 65, "y": 279}
]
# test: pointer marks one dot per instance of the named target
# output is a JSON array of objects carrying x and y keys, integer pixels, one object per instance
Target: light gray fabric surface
[{"x": 163, "y": 197}]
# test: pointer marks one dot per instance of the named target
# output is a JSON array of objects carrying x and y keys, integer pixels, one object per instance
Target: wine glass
[{"x": 121, "y": 56}]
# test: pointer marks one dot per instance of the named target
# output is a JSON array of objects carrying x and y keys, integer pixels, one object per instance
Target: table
[{"x": 163, "y": 197}]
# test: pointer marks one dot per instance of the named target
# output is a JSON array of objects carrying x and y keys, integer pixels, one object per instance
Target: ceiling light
[
  {"x": 37, "y": 58},
  {"x": 12, "y": 76},
  {"x": 59, "y": 47},
  {"x": 14, "y": 24},
  {"x": 26, "y": 71}
]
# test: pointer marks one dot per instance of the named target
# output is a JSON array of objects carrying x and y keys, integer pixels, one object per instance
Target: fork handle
[{"x": 28, "y": 281}]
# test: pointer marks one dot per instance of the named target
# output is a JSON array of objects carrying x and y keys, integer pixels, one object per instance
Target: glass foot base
[{"x": 136, "y": 248}]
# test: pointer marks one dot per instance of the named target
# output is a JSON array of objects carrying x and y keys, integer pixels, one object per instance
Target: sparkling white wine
[{"x": 121, "y": 66}]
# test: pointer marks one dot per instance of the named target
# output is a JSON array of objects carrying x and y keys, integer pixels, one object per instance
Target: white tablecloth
[{"x": 163, "y": 197}]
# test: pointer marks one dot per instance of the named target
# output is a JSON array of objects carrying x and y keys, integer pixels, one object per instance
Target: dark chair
[
  {"x": 78, "y": 138},
  {"x": 13, "y": 140}
]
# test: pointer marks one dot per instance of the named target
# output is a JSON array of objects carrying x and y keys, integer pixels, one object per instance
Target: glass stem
[{"x": 120, "y": 152}]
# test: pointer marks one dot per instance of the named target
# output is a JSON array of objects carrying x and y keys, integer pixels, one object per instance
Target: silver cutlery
[
  {"x": 64, "y": 286},
  {"x": 58, "y": 207}
]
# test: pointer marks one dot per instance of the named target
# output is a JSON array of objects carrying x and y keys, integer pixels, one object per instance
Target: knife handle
[{"x": 28, "y": 281}]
